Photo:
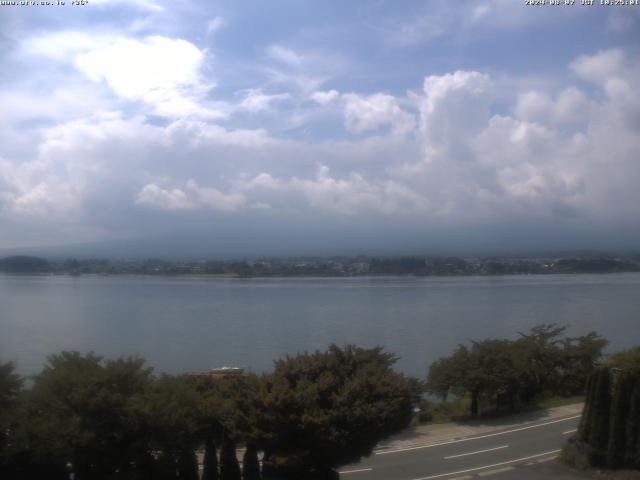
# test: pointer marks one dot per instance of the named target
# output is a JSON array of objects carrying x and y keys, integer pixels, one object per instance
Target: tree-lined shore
[
  {"x": 97, "y": 418},
  {"x": 115, "y": 419},
  {"x": 419, "y": 266}
]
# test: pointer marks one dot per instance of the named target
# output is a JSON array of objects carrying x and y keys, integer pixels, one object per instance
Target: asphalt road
[{"x": 492, "y": 453}]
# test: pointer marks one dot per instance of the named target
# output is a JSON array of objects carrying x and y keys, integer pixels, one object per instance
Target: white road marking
[
  {"x": 355, "y": 471},
  {"x": 496, "y": 471},
  {"x": 479, "y": 451},
  {"x": 386, "y": 452},
  {"x": 488, "y": 466},
  {"x": 570, "y": 431}
]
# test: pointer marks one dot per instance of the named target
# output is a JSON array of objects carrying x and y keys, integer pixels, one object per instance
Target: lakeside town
[{"x": 329, "y": 266}]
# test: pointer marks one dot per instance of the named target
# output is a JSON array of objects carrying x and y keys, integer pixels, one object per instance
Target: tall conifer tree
[
  {"x": 187, "y": 465},
  {"x": 229, "y": 466},
  {"x": 632, "y": 450},
  {"x": 599, "y": 431},
  {"x": 250, "y": 465},
  {"x": 618, "y": 421},
  {"x": 210, "y": 470}
]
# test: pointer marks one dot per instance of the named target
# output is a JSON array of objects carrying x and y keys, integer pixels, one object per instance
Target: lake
[{"x": 184, "y": 323}]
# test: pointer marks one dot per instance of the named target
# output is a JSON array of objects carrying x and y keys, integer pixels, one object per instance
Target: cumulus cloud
[
  {"x": 136, "y": 68},
  {"x": 533, "y": 106},
  {"x": 454, "y": 104},
  {"x": 162, "y": 72},
  {"x": 325, "y": 97},
  {"x": 599, "y": 67},
  {"x": 364, "y": 113},
  {"x": 255, "y": 100},
  {"x": 444, "y": 155},
  {"x": 571, "y": 105},
  {"x": 63, "y": 46},
  {"x": 191, "y": 198},
  {"x": 154, "y": 196}
]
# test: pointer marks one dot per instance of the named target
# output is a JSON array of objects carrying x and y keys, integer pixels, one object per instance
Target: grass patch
[
  {"x": 558, "y": 402},
  {"x": 458, "y": 409}
]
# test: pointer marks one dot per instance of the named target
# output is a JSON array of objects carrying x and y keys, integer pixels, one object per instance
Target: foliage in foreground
[
  {"x": 113, "y": 419},
  {"x": 509, "y": 374},
  {"x": 609, "y": 431},
  {"x": 331, "y": 408}
]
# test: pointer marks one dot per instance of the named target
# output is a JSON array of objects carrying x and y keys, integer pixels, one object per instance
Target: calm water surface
[{"x": 181, "y": 324}]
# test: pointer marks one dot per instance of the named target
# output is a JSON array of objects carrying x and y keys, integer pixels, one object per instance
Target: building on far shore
[{"x": 216, "y": 374}]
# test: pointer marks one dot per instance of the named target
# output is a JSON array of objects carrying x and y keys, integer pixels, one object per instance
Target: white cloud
[
  {"x": 214, "y": 199},
  {"x": 325, "y": 97},
  {"x": 599, "y": 67},
  {"x": 136, "y": 68},
  {"x": 533, "y": 106},
  {"x": 192, "y": 197},
  {"x": 572, "y": 105},
  {"x": 203, "y": 135},
  {"x": 63, "y": 46},
  {"x": 164, "y": 73},
  {"x": 567, "y": 154},
  {"x": 569, "y": 106},
  {"x": 364, "y": 113},
  {"x": 348, "y": 196},
  {"x": 152, "y": 195},
  {"x": 356, "y": 195},
  {"x": 256, "y": 100},
  {"x": 284, "y": 55}
]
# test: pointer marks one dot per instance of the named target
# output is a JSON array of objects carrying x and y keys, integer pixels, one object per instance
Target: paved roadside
[
  {"x": 435, "y": 433},
  {"x": 550, "y": 469}
]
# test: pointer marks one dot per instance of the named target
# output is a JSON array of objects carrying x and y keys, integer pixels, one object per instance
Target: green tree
[
  {"x": 489, "y": 371},
  {"x": 85, "y": 411},
  {"x": 599, "y": 430},
  {"x": 632, "y": 443},
  {"x": 187, "y": 465},
  {"x": 10, "y": 389},
  {"x": 445, "y": 373},
  {"x": 511, "y": 373},
  {"x": 330, "y": 408},
  {"x": 618, "y": 421},
  {"x": 210, "y": 462},
  {"x": 166, "y": 467},
  {"x": 628, "y": 360},
  {"x": 229, "y": 410},
  {"x": 542, "y": 353},
  {"x": 250, "y": 464},
  {"x": 588, "y": 411},
  {"x": 578, "y": 358},
  {"x": 171, "y": 409},
  {"x": 229, "y": 466}
]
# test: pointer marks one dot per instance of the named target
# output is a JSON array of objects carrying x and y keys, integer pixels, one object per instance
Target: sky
[{"x": 287, "y": 127}]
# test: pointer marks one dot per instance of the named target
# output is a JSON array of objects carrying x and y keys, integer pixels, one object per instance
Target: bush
[{"x": 574, "y": 454}]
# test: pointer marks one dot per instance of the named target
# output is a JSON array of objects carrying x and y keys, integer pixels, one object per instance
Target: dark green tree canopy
[
  {"x": 628, "y": 360},
  {"x": 329, "y": 408},
  {"x": 508, "y": 373}
]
